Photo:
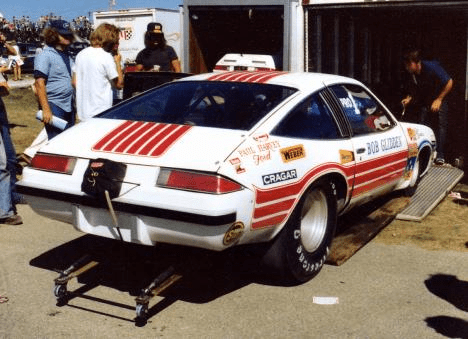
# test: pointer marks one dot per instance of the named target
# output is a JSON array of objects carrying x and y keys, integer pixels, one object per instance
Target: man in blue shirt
[
  {"x": 428, "y": 88},
  {"x": 53, "y": 79}
]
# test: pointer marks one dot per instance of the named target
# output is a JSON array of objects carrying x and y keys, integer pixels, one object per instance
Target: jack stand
[
  {"x": 79, "y": 267},
  {"x": 163, "y": 281}
]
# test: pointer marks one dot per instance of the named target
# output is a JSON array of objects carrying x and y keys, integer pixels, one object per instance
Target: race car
[{"x": 218, "y": 160}]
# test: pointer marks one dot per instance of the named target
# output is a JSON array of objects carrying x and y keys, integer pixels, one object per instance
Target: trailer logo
[{"x": 126, "y": 33}]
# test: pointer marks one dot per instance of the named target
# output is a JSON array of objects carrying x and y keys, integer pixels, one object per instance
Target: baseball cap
[
  {"x": 61, "y": 26},
  {"x": 155, "y": 27}
]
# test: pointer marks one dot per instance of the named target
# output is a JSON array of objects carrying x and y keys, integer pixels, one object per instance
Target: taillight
[
  {"x": 193, "y": 181},
  {"x": 53, "y": 163}
]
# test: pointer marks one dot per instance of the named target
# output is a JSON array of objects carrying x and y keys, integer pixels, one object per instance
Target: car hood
[{"x": 148, "y": 143}]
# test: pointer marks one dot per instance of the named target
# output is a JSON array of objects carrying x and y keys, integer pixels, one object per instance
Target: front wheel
[{"x": 301, "y": 248}]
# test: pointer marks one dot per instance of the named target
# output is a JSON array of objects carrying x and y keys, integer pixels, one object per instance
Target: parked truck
[{"x": 132, "y": 24}]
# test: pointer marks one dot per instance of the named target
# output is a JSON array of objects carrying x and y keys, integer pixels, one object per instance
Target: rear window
[{"x": 211, "y": 104}]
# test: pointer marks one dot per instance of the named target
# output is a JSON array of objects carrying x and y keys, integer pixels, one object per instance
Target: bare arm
[
  {"x": 41, "y": 91},
  {"x": 176, "y": 65},
  {"x": 438, "y": 101},
  {"x": 9, "y": 48},
  {"x": 119, "y": 81}
]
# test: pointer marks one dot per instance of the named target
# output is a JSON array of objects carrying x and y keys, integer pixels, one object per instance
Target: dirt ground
[{"x": 445, "y": 228}]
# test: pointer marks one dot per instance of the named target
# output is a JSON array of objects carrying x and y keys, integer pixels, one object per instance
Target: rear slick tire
[{"x": 301, "y": 248}]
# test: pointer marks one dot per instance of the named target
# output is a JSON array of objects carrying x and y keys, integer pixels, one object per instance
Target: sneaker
[
  {"x": 13, "y": 220},
  {"x": 439, "y": 161}
]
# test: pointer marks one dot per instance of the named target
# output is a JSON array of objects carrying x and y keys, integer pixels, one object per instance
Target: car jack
[
  {"x": 162, "y": 281},
  {"x": 79, "y": 267}
]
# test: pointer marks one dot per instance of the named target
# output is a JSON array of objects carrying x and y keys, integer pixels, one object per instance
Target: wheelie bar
[
  {"x": 79, "y": 267},
  {"x": 162, "y": 281}
]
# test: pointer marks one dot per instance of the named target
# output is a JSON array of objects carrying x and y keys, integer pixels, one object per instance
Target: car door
[{"x": 380, "y": 147}]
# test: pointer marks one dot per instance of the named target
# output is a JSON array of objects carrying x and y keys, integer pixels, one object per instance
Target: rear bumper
[
  {"x": 85, "y": 200},
  {"x": 135, "y": 223}
]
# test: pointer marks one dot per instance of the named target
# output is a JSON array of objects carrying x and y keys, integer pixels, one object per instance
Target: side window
[
  {"x": 309, "y": 120},
  {"x": 363, "y": 112}
]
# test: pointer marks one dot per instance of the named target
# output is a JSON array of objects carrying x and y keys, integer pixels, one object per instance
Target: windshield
[{"x": 210, "y": 104}]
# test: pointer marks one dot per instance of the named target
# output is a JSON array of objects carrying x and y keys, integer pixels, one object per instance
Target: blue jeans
[
  {"x": 6, "y": 207},
  {"x": 439, "y": 123},
  {"x": 10, "y": 152},
  {"x": 60, "y": 113}
]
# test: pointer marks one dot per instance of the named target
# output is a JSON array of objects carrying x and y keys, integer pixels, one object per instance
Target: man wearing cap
[
  {"x": 157, "y": 55},
  {"x": 53, "y": 79}
]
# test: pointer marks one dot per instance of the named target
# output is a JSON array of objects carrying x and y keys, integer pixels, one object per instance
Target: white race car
[{"x": 224, "y": 159}]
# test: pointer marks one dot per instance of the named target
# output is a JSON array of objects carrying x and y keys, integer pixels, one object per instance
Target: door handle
[{"x": 360, "y": 150}]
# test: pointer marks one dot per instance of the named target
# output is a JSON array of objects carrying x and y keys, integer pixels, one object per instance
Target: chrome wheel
[{"x": 314, "y": 220}]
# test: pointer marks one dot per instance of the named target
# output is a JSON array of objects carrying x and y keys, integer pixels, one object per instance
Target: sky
[{"x": 72, "y": 9}]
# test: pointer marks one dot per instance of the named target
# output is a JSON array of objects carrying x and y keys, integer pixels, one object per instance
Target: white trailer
[{"x": 132, "y": 24}]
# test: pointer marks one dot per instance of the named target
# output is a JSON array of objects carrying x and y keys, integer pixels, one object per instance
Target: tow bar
[
  {"x": 162, "y": 281},
  {"x": 166, "y": 279},
  {"x": 79, "y": 267}
]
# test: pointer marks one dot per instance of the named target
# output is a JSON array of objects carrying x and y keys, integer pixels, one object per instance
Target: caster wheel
[
  {"x": 60, "y": 291},
  {"x": 142, "y": 311}
]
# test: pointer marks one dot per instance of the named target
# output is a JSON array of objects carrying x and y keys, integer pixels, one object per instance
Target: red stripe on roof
[{"x": 246, "y": 76}]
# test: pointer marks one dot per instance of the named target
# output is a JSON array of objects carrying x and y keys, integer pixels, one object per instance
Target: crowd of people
[
  {"x": 27, "y": 31},
  {"x": 67, "y": 87}
]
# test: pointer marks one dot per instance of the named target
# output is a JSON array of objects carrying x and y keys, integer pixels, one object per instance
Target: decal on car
[
  {"x": 236, "y": 76},
  {"x": 412, "y": 134},
  {"x": 346, "y": 156},
  {"x": 274, "y": 178},
  {"x": 233, "y": 234},
  {"x": 141, "y": 138},
  {"x": 292, "y": 153}
]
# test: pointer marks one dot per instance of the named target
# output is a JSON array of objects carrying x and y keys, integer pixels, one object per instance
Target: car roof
[{"x": 303, "y": 81}]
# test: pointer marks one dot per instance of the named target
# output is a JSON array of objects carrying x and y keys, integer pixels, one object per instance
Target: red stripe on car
[
  {"x": 369, "y": 175},
  {"x": 139, "y": 138},
  {"x": 169, "y": 140},
  {"x": 246, "y": 76},
  {"x": 144, "y": 138},
  {"x": 109, "y": 136}
]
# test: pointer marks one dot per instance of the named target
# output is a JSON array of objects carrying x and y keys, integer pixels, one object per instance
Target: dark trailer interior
[
  {"x": 362, "y": 39},
  {"x": 217, "y": 30}
]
